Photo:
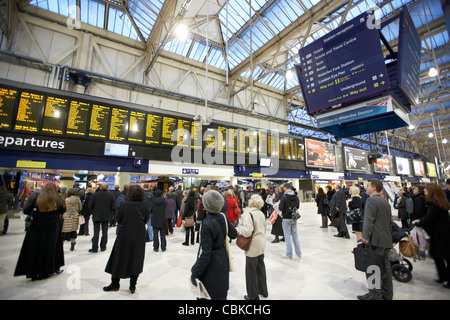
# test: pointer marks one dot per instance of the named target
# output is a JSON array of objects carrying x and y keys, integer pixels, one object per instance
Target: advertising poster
[
  {"x": 403, "y": 166},
  {"x": 419, "y": 168},
  {"x": 383, "y": 165},
  {"x": 320, "y": 154},
  {"x": 431, "y": 169},
  {"x": 355, "y": 159}
]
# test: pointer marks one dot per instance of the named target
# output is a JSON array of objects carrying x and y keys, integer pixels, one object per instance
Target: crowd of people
[{"x": 213, "y": 218}]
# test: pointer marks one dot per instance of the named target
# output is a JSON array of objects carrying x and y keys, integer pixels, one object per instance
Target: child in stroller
[{"x": 400, "y": 266}]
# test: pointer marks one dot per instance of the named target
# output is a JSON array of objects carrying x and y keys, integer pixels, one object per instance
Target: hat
[{"x": 213, "y": 201}]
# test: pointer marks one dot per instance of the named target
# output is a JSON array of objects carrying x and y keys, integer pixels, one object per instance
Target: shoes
[
  {"x": 72, "y": 246},
  {"x": 185, "y": 244},
  {"x": 368, "y": 296},
  {"x": 102, "y": 250},
  {"x": 132, "y": 288},
  {"x": 93, "y": 250},
  {"x": 447, "y": 286},
  {"x": 276, "y": 240},
  {"x": 114, "y": 286}
]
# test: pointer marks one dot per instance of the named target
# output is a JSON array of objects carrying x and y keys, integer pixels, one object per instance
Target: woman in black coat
[
  {"x": 42, "y": 249},
  {"x": 212, "y": 266},
  {"x": 356, "y": 203},
  {"x": 437, "y": 224},
  {"x": 402, "y": 213},
  {"x": 159, "y": 222},
  {"x": 190, "y": 207},
  {"x": 323, "y": 207},
  {"x": 127, "y": 256},
  {"x": 277, "y": 227}
]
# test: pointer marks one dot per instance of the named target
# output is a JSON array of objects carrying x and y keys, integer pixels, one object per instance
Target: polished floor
[{"x": 324, "y": 272}]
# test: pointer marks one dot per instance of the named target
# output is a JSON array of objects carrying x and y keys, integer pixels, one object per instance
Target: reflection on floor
[{"x": 325, "y": 270}]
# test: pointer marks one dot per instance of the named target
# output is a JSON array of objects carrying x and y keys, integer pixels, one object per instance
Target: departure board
[
  {"x": 78, "y": 118},
  {"x": 301, "y": 151},
  {"x": 136, "y": 129},
  {"x": 29, "y": 113},
  {"x": 243, "y": 141},
  {"x": 262, "y": 144},
  {"x": 210, "y": 138},
  {"x": 253, "y": 142},
  {"x": 197, "y": 135},
  {"x": 232, "y": 140},
  {"x": 7, "y": 100},
  {"x": 169, "y": 125},
  {"x": 118, "y": 130},
  {"x": 294, "y": 149},
  {"x": 98, "y": 127},
  {"x": 55, "y": 112},
  {"x": 183, "y": 138},
  {"x": 153, "y": 129},
  {"x": 222, "y": 138}
]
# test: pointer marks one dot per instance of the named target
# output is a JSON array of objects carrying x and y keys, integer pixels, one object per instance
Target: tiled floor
[{"x": 325, "y": 271}]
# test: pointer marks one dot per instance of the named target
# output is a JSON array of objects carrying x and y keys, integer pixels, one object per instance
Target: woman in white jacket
[{"x": 255, "y": 270}]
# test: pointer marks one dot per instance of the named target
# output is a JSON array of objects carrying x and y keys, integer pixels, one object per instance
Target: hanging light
[
  {"x": 444, "y": 140},
  {"x": 433, "y": 72},
  {"x": 289, "y": 74},
  {"x": 411, "y": 127},
  {"x": 182, "y": 31},
  {"x": 430, "y": 135}
]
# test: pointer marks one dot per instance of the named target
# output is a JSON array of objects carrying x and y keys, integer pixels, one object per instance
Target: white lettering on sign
[{"x": 30, "y": 142}]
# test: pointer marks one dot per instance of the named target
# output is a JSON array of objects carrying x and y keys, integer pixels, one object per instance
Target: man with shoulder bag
[
  {"x": 288, "y": 203},
  {"x": 377, "y": 234}
]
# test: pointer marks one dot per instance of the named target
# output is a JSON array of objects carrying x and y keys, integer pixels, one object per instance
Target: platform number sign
[{"x": 138, "y": 162}]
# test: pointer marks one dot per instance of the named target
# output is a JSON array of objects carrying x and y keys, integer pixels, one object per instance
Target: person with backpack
[
  {"x": 289, "y": 201},
  {"x": 403, "y": 214}
]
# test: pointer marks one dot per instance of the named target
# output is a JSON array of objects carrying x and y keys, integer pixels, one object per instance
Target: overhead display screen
[
  {"x": 98, "y": 127},
  {"x": 383, "y": 165},
  {"x": 355, "y": 159},
  {"x": 243, "y": 141},
  {"x": 153, "y": 129},
  {"x": 78, "y": 118},
  {"x": 136, "y": 128},
  {"x": 7, "y": 101},
  {"x": 30, "y": 110},
  {"x": 118, "y": 130},
  {"x": 431, "y": 170},
  {"x": 345, "y": 64},
  {"x": 402, "y": 166},
  {"x": 169, "y": 125},
  {"x": 419, "y": 168},
  {"x": 196, "y": 135},
  {"x": 262, "y": 144},
  {"x": 55, "y": 113},
  {"x": 253, "y": 142},
  {"x": 232, "y": 141},
  {"x": 184, "y": 130},
  {"x": 320, "y": 154}
]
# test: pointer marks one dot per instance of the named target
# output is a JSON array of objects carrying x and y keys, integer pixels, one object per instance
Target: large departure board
[
  {"x": 197, "y": 135},
  {"x": 118, "y": 130},
  {"x": 222, "y": 138},
  {"x": 136, "y": 129},
  {"x": 153, "y": 129},
  {"x": 262, "y": 144},
  {"x": 232, "y": 140},
  {"x": 78, "y": 118},
  {"x": 184, "y": 127},
  {"x": 55, "y": 112},
  {"x": 7, "y": 100},
  {"x": 29, "y": 113},
  {"x": 169, "y": 125},
  {"x": 98, "y": 127},
  {"x": 243, "y": 141},
  {"x": 253, "y": 142}
]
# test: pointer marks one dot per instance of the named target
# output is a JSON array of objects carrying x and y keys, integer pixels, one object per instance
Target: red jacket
[{"x": 232, "y": 217}]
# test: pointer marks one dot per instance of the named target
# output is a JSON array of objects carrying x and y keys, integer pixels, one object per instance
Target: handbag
[
  {"x": 179, "y": 221},
  {"x": 365, "y": 257},
  {"x": 189, "y": 221},
  {"x": 237, "y": 210},
  {"x": 354, "y": 216},
  {"x": 245, "y": 242},
  {"x": 409, "y": 249},
  {"x": 335, "y": 222},
  {"x": 81, "y": 219},
  {"x": 227, "y": 244},
  {"x": 273, "y": 217}
]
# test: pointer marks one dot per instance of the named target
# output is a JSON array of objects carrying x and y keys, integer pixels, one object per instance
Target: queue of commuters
[{"x": 144, "y": 215}]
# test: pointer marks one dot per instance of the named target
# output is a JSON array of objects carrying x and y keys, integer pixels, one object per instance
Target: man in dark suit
[
  {"x": 377, "y": 232},
  {"x": 338, "y": 208},
  {"x": 102, "y": 206}
]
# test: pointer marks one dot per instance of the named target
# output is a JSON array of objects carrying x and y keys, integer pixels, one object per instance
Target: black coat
[
  {"x": 288, "y": 200},
  {"x": 437, "y": 224},
  {"x": 86, "y": 212},
  {"x": 212, "y": 265},
  {"x": 420, "y": 206},
  {"x": 190, "y": 207},
  {"x": 322, "y": 208},
  {"x": 42, "y": 249},
  {"x": 401, "y": 204},
  {"x": 128, "y": 253},
  {"x": 277, "y": 227},
  {"x": 101, "y": 205},
  {"x": 158, "y": 212}
]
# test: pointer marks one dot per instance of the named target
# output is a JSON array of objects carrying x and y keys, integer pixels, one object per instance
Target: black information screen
[
  {"x": 98, "y": 127},
  {"x": 55, "y": 113},
  {"x": 183, "y": 139},
  {"x": 136, "y": 129},
  {"x": 169, "y": 125},
  {"x": 78, "y": 118},
  {"x": 7, "y": 101},
  {"x": 118, "y": 130},
  {"x": 29, "y": 113},
  {"x": 153, "y": 129}
]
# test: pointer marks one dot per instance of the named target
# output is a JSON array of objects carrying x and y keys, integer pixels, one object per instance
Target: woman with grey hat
[{"x": 212, "y": 266}]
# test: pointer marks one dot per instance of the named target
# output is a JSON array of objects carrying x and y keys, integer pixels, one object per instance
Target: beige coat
[
  {"x": 70, "y": 217},
  {"x": 258, "y": 244}
]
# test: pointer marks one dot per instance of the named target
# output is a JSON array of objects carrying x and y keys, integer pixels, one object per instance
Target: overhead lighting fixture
[
  {"x": 444, "y": 140},
  {"x": 182, "y": 31},
  {"x": 433, "y": 72},
  {"x": 289, "y": 74},
  {"x": 411, "y": 127},
  {"x": 430, "y": 135}
]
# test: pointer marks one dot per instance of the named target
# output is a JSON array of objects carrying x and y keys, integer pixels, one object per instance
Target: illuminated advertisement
[{"x": 320, "y": 154}]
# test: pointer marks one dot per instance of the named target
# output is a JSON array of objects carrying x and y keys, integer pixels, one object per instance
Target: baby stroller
[{"x": 400, "y": 266}]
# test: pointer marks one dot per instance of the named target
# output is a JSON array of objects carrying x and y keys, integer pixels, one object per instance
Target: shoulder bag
[{"x": 243, "y": 242}]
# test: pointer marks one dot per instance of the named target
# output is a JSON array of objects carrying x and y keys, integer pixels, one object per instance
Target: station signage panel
[
  {"x": 320, "y": 154},
  {"x": 344, "y": 65}
]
